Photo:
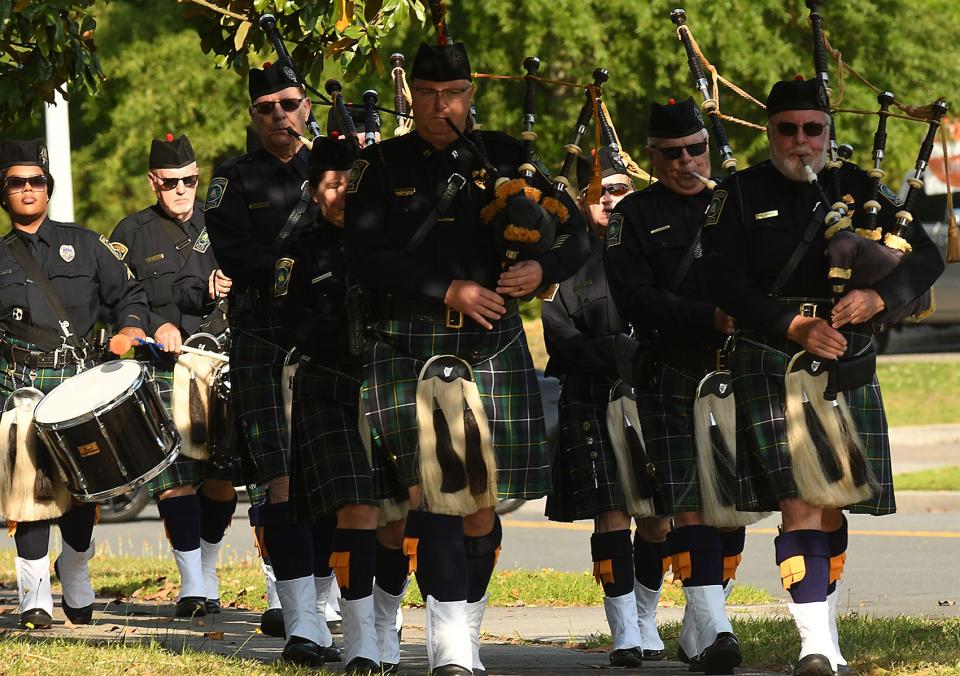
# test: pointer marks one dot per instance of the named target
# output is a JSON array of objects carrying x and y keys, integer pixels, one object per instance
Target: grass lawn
[
  {"x": 939, "y": 479},
  {"x": 920, "y": 392}
]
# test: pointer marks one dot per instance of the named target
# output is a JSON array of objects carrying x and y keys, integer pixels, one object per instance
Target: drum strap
[{"x": 39, "y": 278}]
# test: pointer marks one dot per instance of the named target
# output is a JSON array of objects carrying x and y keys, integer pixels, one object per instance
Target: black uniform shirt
[
  {"x": 648, "y": 236},
  {"x": 247, "y": 204},
  {"x": 581, "y": 321},
  {"x": 315, "y": 307},
  {"x": 753, "y": 225},
  {"x": 154, "y": 246},
  {"x": 394, "y": 186},
  {"x": 85, "y": 274}
]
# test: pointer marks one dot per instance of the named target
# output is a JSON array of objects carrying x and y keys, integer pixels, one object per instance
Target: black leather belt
[
  {"x": 809, "y": 307},
  {"x": 39, "y": 360},
  {"x": 694, "y": 360},
  {"x": 403, "y": 309}
]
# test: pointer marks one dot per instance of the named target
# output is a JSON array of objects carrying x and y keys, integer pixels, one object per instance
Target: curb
[{"x": 925, "y": 435}]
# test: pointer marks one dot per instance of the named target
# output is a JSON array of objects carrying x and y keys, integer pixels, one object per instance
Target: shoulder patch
[
  {"x": 202, "y": 243},
  {"x": 715, "y": 208},
  {"x": 106, "y": 243},
  {"x": 120, "y": 250},
  {"x": 356, "y": 175},
  {"x": 215, "y": 192},
  {"x": 889, "y": 194},
  {"x": 614, "y": 230}
]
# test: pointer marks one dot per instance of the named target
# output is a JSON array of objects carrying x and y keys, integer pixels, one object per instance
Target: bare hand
[
  {"x": 133, "y": 333},
  {"x": 475, "y": 301},
  {"x": 168, "y": 337},
  {"x": 218, "y": 284},
  {"x": 817, "y": 337},
  {"x": 722, "y": 322},
  {"x": 520, "y": 279},
  {"x": 856, "y": 307}
]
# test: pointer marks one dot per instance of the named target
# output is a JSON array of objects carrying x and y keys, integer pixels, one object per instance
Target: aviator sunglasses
[
  {"x": 674, "y": 152},
  {"x": 18, "y": 183},
  {"x": 613, "y": 189},
  {"x": 811, "y": 129},
  {"x": 287, "y": 105}
]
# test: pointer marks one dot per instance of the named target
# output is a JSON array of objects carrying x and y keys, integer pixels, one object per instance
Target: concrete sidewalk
[{"x": 515, "y": 640}]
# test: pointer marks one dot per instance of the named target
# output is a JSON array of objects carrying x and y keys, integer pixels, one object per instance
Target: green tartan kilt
[
  {"x": 329, "y": 466},
  {"x": 586, "y": 480},
  {"x": 183, "y": 471},
  {"x": 666, "y": 421},
  {"x": 256, "y": 380},
  {"x": 505, "y": 378},
  {"x": 763, "y": 461}
]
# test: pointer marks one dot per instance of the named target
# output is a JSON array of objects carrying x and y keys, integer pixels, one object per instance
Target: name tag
[
  {"x": 404, "y": 192},
  {"x": 258, "y": 205},
  {"x": 765, "y": 214},
  {"x": 320, "y": 278},
  {"x": 660, "y": 229},
  {"x": 154, "y": 258}
]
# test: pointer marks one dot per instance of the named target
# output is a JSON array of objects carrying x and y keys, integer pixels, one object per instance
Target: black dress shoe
[
  {"x": 451, "y": 670},
  {"x": 813, "y": 665},
  {"x": 361, "y": 666},
  {"x": 626, "y": 657},
  {"x": 212, "y": 606},
  {"x": 331, "y": 653},
  {"x": 191, "y": 606},
  {"x": 36, "y": 618},
  {"x": 722, "y": 655},
  {"x": 77, "y": 615},
  {"x": 271, "y": 623},
  {"x": 387, "y": 669},
  {"x": 302, "y": 652},
  {"x": 654, "y": 655},
  {"x": 695, "y": 664}
]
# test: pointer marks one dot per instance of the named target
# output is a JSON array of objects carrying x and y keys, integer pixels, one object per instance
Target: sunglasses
[
  {"x": 172, "y": 183},
  {"x": 674, "y": 152},
  {"x": 811, "y": 129},
  {"x": 287, "y": 105},
  {"x": 18, "y": 183}
]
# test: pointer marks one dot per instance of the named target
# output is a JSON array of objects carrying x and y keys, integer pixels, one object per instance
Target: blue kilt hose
[
  {"x": 763, "y": 460},
  {"x": 329, "y": 467},
  {"x": 505, "y": 377},
  {"x": 256, "y": 382},
  {"x": 665, "y": 408},
  {"x": 586, "y": 480},
  {"x": 183, "y": 471}
]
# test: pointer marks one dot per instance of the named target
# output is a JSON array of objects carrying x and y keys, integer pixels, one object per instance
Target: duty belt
[
  {"x": 695, "y": 360},
  {"x": 402, "y": 309},
  {"x": 57, "y": 359}
]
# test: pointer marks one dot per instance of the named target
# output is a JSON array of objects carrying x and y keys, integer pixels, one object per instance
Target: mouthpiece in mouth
[
  {"x": 303, "y": 139},
  {"x": 809, "y": 173},
  {"x": 709, "y": 182}
]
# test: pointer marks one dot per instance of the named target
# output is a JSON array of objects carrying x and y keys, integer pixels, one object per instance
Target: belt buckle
[
  {"x": 454, "y": 318},
  {"x": 808, "y": 309}
]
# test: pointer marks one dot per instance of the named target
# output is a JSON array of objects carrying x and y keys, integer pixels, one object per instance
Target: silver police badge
[{"x": 67, "y": 252}]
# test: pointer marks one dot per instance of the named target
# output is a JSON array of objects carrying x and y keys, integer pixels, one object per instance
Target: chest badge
[
  {"x": 281, "y": 277},
  {"x": 614, "y": 230},
  {"x": 67, "y": 252},
  {"x": 202, "y": 243}
]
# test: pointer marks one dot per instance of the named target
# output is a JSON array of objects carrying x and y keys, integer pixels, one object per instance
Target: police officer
[
  {"x": 250, "y": 200},
  {"x": 658, "y": 287},
  {"x": 444, "y": 292},
  {"x": 41, "y": 349},
  {"x": 757, "y": 223},
  {"x": 156, "y": 242},
  {"x": 579, "y": 327}
]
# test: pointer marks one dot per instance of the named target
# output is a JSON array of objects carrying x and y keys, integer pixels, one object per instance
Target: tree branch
[{"x": 215, "y": 8}]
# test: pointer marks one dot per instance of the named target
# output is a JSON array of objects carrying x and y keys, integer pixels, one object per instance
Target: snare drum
[{"x": 107, "y": 429}]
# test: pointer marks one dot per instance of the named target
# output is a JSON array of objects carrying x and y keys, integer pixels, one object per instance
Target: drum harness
[{"x": 73, "y": 351}]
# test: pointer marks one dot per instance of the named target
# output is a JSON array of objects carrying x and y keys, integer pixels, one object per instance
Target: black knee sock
[
  {"x": 32, "y": 539},
  {"x": 697, "y": 554},
  {"x": 482, "y": 553},
  {"x": 731, "y": 543},
  {"x": 648, "y": 561},
  {"x": 215, "y": 516},
  {"x": 76, "y": 526},
  {"x": 289, "y": 544},
  {"x": 181, "y": 519},
  {"x": 436, "y": 542},
  {"x": 392, "y": 569},
  {"x": 354, "y": 561},
  {"x": 612, "y": 555},
  {"x": 322, "y": 533},
  {"x": 807, "y": 583}
]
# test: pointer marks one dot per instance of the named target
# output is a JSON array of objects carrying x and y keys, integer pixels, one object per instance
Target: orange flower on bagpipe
[
  {"x": 489, "y": 212},
  {"x": 555, "y": 208},
  {"x": 514, "y": 233}
]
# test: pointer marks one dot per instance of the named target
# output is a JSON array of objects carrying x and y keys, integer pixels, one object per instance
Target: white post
[{"x": 57, "y": 120}]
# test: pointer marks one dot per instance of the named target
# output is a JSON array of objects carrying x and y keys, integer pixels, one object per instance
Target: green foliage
[
  {"x": 939, "y": 479},
  {"x": 44, "y": 44}
]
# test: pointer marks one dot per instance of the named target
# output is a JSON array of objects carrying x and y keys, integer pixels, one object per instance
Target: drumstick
[{"x": 120, "y": 344}]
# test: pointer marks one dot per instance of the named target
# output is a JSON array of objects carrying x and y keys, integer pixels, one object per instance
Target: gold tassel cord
[
  {"x": 953, "y": 233},
  {"x": 632, "y": 167}
]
